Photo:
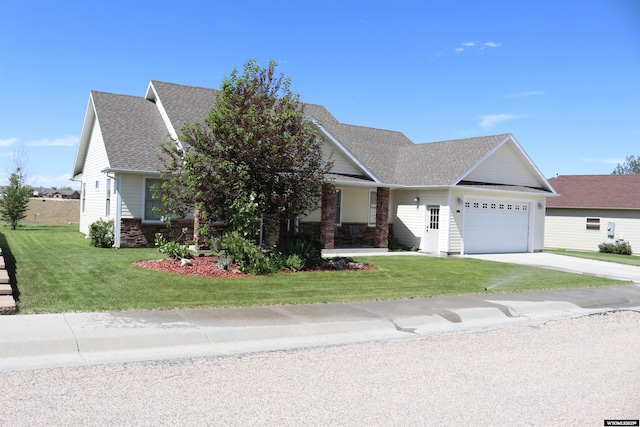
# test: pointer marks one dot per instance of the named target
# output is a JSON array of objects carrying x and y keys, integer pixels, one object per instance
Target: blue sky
[{"x": 563, "y": 76}]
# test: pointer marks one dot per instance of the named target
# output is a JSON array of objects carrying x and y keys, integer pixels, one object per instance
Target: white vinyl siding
[
  {"x": 341, "y": 164},
  {"x": 96, "y": 162},
  {"x": 131, "y": 195},
  {"x": 566, "y": 228},
  {"x": 409, "y": 216},
  {"x": 505, "y": 166}
]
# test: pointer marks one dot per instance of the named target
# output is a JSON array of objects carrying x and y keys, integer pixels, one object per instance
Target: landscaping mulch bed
[{"x": 206, "y": 266}]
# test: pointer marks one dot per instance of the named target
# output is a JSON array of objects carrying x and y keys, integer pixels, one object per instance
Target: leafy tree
[
  {"x": 630, "y": 166},
  {"x": 255, "y": 144},
  {"x": 14, "y": 203}
]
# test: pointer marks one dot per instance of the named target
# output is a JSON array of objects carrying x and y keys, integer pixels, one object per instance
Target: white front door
[{"x": 431, "y": 230}]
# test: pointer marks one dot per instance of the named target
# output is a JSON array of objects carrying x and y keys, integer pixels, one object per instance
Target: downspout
[{"x": 117, "y": 224}]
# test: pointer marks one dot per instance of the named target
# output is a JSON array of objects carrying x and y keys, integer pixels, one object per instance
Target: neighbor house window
[
  {"x": 373, "y": 204},
  {"x": 338, "y": 219},
  {"x": 593, "y": 223},
  {"x": 108, "y": 198},
  {"x": 151, "y": 203}
]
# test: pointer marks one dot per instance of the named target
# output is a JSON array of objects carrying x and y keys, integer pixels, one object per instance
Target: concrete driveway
[{"x": 567, "y": 263}]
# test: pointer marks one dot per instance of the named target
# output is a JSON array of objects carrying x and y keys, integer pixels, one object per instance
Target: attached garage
[{"x": 496, "y": 226}]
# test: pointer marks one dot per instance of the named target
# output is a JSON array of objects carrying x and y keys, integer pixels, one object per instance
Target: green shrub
[
  {"x": 249, "y": 257},
  {"x": 305, "y": 245},
  {"x": 294, "y": 262},
  {"x": 394, "y": 245},
  {"x": 102, "y": 233},
  {"x": 620, "y": 248},
  {"x": 171, "y": 249}
]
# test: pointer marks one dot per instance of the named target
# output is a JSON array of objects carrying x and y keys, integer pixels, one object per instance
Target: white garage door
[{"x": 495, "y": 226}]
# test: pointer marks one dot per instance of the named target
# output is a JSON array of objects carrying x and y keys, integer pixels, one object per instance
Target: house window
[
  {"x": 84, "y": 194},
  {"x": 338, "y": 219},
  {"x": 108, "y": 198},
  {"x": 373, "y": 205},
  {"x": 593, "y": 224},
  {"x": 151, "y": 203}
]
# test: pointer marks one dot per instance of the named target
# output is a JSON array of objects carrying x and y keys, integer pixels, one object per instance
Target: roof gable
[
  {"x": 132, "y": 130},
  {"x": 507, "y": 164},
  {"x": 596, "y": 191}
]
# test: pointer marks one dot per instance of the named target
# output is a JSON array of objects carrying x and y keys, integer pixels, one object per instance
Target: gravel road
[{"x": 571, "y": 371}]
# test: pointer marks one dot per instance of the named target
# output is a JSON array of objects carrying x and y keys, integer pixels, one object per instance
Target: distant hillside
[{"x": 51, "y": 211}]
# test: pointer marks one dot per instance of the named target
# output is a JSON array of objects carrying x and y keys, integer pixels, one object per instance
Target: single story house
[
  {"x": 593, "y": 209},
  {"x": 473, "y": 195}
]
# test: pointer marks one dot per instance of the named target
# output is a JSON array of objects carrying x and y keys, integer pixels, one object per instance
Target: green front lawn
[
  {"x": 598, "y": 256},
  {"x": 57, "y": 270}
]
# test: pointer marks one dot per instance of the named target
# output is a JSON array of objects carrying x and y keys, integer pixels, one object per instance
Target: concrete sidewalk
[{"x": 76, "y": 339}]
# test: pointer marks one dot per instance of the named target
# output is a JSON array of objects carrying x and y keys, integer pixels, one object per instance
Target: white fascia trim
[
  {"x": 139, "y": 172},
  {"x": 90, "y": 117},
  {"x": 152, "y": 95},
  {"x": 469, "y": 192},
  {"x": 344, "y": 150}
]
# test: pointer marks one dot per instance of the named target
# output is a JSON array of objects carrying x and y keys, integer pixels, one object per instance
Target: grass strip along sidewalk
[{"x": 57, "y": 270}]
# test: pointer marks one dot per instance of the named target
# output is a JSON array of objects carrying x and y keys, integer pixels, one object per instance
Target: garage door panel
[{"x": 493, "y": 226}]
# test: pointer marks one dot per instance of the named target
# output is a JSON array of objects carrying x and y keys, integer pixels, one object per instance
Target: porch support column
[
  {"x": 382, "y": 217},
  {"x": 328, "y": 216}
]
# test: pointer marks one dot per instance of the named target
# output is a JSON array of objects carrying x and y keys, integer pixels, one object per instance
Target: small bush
[
  {"x": 305, "y": 245},
  {"x": 620, "y": 248},
  {"x": 102, "y": 233},
  {"x": 394, "y": 245},
  {"x": 171, "y": 249},
  {"x": 249, "y": 257},
  {"x": 294, "y": 262}
]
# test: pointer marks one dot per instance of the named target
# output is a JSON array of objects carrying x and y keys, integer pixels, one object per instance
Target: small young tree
[{"x": 14, "y": 203}]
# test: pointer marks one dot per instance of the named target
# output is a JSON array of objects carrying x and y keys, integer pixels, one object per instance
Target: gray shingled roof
[
  {"x": 132, "y": 129},
  {"x": 184, "y": 104}
]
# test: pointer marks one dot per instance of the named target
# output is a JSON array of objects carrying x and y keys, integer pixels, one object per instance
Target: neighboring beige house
[
  {"x": 593, "y": 209},
  {"x": 474, "y": 195}
]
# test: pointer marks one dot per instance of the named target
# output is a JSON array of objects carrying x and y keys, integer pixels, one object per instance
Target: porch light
[
  {"x": 417, "y": 200},
  {"x": 540, "y": 205},
  {"x": 459, "y": 200}
]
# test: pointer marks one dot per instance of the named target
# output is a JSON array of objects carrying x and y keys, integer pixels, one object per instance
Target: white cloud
[
  {"x": 67, "y": 141},
  {"x": 491, "y": 120},
  {"x": 525, "y": 94},
  {"x": 459, "y": 49},
  {"x": 608, "y": 161},
  {"x": 469, "y": 44},
  {"x": 491, "y": 44},
  {"x": 8, "y": 142},
  {"x": 63, "y": 180}
]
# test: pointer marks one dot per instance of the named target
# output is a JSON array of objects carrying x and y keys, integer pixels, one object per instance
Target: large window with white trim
[
  {"x": 373, "y": 206},
  {"x": 338, "y": 219},
  {"x": 151, "y": 203},
  {"x": 108, "y": 198}
]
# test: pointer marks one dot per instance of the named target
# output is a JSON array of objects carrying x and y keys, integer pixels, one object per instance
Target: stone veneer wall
[
  {"x": 382, "y": 218},
  {"x": 135, "y": 234}
]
